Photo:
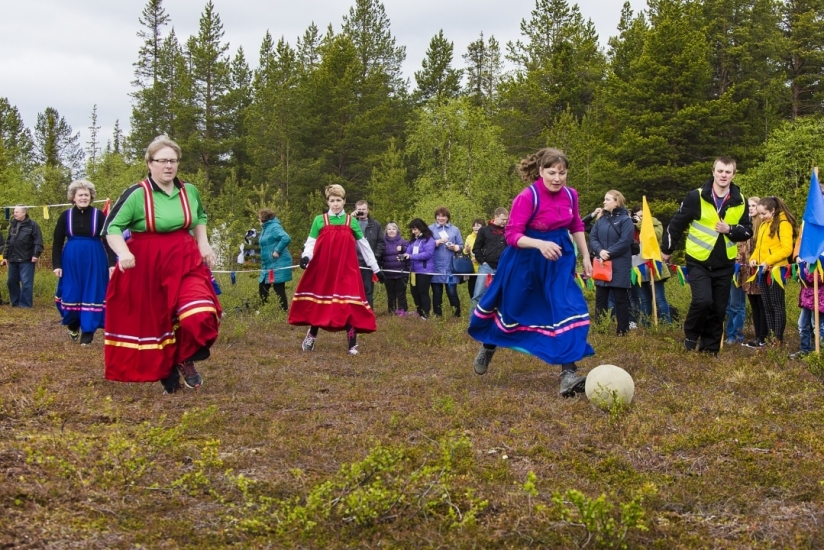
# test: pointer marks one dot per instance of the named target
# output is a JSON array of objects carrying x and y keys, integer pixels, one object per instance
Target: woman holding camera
[
  {"x": 611, "y": 241},
  {"x": 448, "y": 242},
  {"x": 393, "y": 265}
]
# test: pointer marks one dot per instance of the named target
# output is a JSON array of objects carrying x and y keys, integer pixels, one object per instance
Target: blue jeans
[
  {"x": 806, "y": 329},
  {"x": 21, "y": 284},
  {"x": 736, "y": 313},
  {"x": 661, "y": 303},
  {"x": 452, "y": 296},
  {"x": 480, "y": 283}
]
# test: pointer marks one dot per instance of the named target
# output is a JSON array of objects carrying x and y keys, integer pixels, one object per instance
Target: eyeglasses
[{"x": 173, "y": 162}]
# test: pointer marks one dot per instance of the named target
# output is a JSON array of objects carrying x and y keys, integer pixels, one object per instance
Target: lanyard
[{"x": 719, "y": 201}]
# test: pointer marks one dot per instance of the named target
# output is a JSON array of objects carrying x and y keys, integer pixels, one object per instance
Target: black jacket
[
  {"x": 83, "y": 224},
  {"x": 25, "y": 241},
  {"x": 489, "y": 245},
  {"x": 690, "y": 211},
  {"x": 373, "y": 232}
]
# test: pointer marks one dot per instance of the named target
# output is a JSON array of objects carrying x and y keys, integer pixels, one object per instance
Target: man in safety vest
[{"x": 717, "y": 217}]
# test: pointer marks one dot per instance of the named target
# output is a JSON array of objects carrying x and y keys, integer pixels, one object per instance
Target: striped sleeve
[{"x": 127, "y": 210}]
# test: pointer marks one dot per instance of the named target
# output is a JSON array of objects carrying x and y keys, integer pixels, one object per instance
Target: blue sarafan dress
[
  {"x": 535, "y": 305},
  {"x": 81, "y": 291}
]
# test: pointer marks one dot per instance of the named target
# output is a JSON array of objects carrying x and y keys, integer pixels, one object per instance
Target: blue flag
[{"x": 812, "y": 237}]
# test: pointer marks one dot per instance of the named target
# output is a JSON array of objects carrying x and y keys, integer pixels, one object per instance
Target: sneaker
[
  {"x": 353, "y": 350},
  {"x": 633, "y": 325},
  {"x": 482, "y": 360},
  {"x": 571, "y": 383},
  {"x": 86, "y": 338},
  {"x": 74, "y": 335},
  {"x": 755, "y": 343},
  {"x": 171, "y": 384},
  {"x": 191, "y": 377},
  {"x": 799, "y": 355},
  {"x": 308, "y": 343},
  {"x": 690, "y": 345}
]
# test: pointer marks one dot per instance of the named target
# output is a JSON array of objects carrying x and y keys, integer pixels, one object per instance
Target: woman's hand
[
  {"x": 604, "y": 255},
  {"x": 125, "y": 261},
  {"x": 587, "y": 267},
  {"x": 207, "y": 254},
  {"x": 549, "y": 250},
  {"x": 753, "y": 263},
  {"x": 275, "y": 255},
  {"x": 58, "y": 272}
]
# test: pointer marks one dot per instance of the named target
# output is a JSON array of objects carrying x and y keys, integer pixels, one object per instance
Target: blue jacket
[
  {"x": 614, "y": 232},
  {"x": 443, "y": 256},
  {"x": 274, "y": 239},
  {"x": 389, "y": 261},
  {"x": 422, "y": 261}
]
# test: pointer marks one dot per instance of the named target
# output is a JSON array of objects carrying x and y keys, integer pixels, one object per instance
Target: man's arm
[
  {"x": 689, "y": 211},
  {"x": 478, "y": 248}
]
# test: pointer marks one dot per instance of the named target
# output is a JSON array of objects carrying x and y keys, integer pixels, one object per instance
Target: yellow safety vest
[{"x": 702, "y": 235}]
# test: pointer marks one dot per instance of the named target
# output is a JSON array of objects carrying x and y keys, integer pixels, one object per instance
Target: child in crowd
[{"x": 806, "y": 301}]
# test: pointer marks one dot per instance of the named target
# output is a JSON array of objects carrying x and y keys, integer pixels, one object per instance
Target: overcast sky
[{"x": 73, "y": 54}]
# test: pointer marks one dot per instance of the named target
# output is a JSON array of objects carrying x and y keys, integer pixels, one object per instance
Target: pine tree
[
  {"x": 560, "y": 66},
  {"x": 367, "y": 25},
  {"x": 93, "y": 145},
  {"x": 55, "y": 145},
  {"x": 437, "y": 81},
  {"x": 16, "y": 139},
  {"x": 307, "y": 50},
  {"x": 211, "y": 79},
  {"x": 484, "y": 71},
  {"x": 150, "y": 99},
  {"x": 802, "y": 23},
  {"x": 117, "y": 138},
  {"x": 236, "y": 104}
]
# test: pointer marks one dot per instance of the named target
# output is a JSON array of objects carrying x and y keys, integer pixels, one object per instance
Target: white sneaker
[
  {"x": 633, "y": 325},
  {"x": 353, "y": 350},
  {"x": 308, "y": 343}
]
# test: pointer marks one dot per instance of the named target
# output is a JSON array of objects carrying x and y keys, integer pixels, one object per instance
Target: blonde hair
[
  {"x": 159, "y": 143},
  {"x": 618, "y": 196},
  {"x": 334, "y": 190},
  {"x": 81, "y": 184}
]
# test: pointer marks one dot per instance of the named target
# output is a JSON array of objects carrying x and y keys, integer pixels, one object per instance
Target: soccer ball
[{"x": 607, "y": 384}]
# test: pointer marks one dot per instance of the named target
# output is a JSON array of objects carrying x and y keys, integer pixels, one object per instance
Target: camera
[
  {"x": 359, "y": 214},
  {"x": 635, "y": 219}
]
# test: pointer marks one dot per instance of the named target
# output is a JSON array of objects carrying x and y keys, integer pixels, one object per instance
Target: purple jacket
[
  {"x": 422, "y": 261},
  {"x": 389, "y": 261},
  {"x": 807, "y": 295}
]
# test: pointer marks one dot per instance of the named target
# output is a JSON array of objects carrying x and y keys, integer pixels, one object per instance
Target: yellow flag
[
  {"x": 45, "y": 212},
  {"x": 649, "y": 244}
]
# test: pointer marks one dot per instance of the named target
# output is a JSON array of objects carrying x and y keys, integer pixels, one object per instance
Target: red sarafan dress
[
  {"x": 330, "y": 294},
  {"x": 164, "y": 309}
]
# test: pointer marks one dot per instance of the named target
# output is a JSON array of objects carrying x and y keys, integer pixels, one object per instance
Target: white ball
[{"x": 608, "y": 383}]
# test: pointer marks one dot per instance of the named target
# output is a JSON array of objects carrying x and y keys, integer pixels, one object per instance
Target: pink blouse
[{"x": 557, "y": 211}]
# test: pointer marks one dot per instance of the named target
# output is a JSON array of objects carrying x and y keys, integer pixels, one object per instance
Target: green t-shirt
[
  {"x": 317, "y": 225},
  {"x": 129, "y": 210}
]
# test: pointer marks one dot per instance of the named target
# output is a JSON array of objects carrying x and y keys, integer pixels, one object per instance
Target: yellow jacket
[{"x": 774, "y": 250}]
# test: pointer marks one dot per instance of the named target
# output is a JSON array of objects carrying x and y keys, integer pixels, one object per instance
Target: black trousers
[
  {"x": 452, "y": 296},
  {"x": 396, "y": 294},
  {"x": 759, "y": 317},
  {"x": 621, "y": 298},
  {"x": 420, "y": 294},
  {"x": 710, "y": 295},
  {"x": 368, "y": 285},
  {"x": 280, "y": 290}
]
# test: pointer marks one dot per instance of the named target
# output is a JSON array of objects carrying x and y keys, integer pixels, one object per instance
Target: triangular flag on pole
[
  {"x": 649, "y": 243},
  {"x": 812, "y": 239}
]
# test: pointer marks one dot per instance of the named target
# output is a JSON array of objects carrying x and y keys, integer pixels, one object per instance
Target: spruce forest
[{"x": 678, "y": 84}]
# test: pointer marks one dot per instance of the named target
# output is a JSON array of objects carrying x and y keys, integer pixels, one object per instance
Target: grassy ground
[{"x": 403, "y": 446}]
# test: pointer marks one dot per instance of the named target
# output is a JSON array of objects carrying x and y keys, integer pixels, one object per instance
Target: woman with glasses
[
  {"x": 275, "y": 260},
  {"x": 163, "y": 313},
  {"x": 82, "y": 264}
]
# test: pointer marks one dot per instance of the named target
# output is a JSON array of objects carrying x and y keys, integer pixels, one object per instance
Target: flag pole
[
  {"x": 816, "y": 316},
  {"x": 652, "y": 287}
]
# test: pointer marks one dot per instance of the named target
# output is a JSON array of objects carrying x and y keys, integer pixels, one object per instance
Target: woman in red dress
[
  {"x": 162, "y": 310},
  {"x": 330, "y": 294}
]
